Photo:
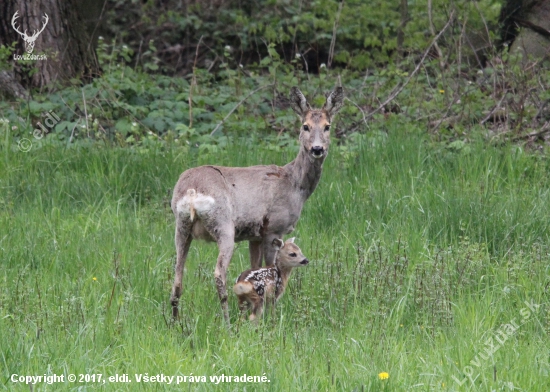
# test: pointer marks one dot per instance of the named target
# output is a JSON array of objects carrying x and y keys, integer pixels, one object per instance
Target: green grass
[{"x": 419, "y": 255}]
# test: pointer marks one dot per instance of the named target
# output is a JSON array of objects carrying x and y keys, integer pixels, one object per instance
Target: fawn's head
[
  {"x": 288, "y": 255},
  {"x": 315, "y": 129}
]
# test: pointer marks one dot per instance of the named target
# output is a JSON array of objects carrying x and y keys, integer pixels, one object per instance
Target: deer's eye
[
  {"x": 327, "y": 128},
  {"x": 306, "y": 128},
  {"x": 292, "y": 254}
]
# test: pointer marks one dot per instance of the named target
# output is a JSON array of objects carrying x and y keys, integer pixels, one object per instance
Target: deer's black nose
[
  {"x": 304, "y": 261},
  {"x": 317, "y": 150}
]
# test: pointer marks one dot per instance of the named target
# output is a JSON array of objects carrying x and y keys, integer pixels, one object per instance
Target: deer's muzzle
[{"x": 317, "y": 151}]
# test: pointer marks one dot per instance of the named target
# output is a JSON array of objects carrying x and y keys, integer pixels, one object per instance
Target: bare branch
[
  {"x": 490, "y": 115},
  {"x": 333, "y": 41},
  {"x": 404, "y": 9},
  {"x": 534, "y": 135},
  {"x": 432, "y": 30},
  {"x": 400, "y": 88},
  {"x": 193, "y": 84},
  {"x": 237, "y": 105},
  {"x": 358, "y": 107}
]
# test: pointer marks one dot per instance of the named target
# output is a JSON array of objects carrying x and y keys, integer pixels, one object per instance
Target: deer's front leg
[
  {"x": 268, "y": 250},
  {"x": 226, "y": 243},
  {"x": 255, "y": 250}
]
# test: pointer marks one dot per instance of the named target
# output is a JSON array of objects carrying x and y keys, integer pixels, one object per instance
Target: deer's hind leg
[
  {"x": 183, "y": 242},
  {"x": 225, "y": 237}
]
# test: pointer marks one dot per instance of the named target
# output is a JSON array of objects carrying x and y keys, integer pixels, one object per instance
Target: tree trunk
[
  {"x": 64, "y": 44},
  {"x": 526, "y": 25}
]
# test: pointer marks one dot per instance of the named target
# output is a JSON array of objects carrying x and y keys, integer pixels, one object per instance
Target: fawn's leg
[
  {"x": 272, "y": 301},
  {"x": 243, "y": 306},
  {"x": 257, "y": 308}
]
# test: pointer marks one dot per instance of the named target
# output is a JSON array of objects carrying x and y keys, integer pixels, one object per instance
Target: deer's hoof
[{"x": 174, "y": 309}]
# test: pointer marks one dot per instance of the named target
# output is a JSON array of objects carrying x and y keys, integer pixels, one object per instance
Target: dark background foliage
[{"x": 195, "y": 72}]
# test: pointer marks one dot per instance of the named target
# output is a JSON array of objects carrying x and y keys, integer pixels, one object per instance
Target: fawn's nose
[
  {"x": 304, "y": 261},
  {"x": 317, "y": 151}
]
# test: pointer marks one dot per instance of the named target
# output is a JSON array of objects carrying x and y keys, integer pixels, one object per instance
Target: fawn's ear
[
  {"x": 335, "y": 101},
  {"x": 298, "y": 102},
  {"x": 278, "y": 243},
  {"x": 290, "y": 240}
]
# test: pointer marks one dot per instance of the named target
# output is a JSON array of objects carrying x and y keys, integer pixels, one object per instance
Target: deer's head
[
  {"x": 29, "y": 40},
  {"x": 288, "y": 255},
  {"x": 315, "y": 130}
]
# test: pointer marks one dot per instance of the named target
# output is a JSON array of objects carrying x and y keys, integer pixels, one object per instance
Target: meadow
[{"x": 427, "y": 262}]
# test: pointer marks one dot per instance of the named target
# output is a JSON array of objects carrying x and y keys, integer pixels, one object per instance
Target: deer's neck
[
  {"x": 284, "y": 274},
  {"x": 306, "y": 172}
]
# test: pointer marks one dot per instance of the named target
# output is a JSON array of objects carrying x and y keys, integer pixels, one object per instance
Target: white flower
[
  {"x": 298, "y": 55},
  {"x": 227, "y": 47},
  {"x": 323, "y": 65},
  {"x": 240, "y": 65},
  {"x": 134, "y": 124}
]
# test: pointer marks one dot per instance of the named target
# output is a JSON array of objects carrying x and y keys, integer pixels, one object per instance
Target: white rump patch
[
  {"x": 194, "y": 203},
  {"x": 242, "y": 288}
]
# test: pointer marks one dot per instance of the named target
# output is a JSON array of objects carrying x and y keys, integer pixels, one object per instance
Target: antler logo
[{"x": 29, "y": 40}]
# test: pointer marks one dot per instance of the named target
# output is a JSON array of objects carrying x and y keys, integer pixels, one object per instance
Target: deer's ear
[
  {"x": 298, "y": 102},
  {"x": 278, "y": 243},
  {"x": 335, "y": 101},
  {"x": 290, "y": 240}
]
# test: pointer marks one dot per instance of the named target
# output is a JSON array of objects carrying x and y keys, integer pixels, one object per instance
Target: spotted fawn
[{"x": 255, "y": 286}]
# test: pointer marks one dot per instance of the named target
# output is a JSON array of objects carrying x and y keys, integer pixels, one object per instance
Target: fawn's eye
[
  {"x": 306, "y": 128},
  {"x": 327, "y": 128},
  {"x": 292, "y": 254}
]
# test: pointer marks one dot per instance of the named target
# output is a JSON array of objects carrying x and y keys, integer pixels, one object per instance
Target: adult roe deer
[
  {"x": 255, "y": 204},
  {"x": 254, "y": 286}
]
